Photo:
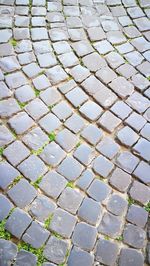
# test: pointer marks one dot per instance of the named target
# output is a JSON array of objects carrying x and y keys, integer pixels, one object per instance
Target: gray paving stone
[
  {"x": 131, "y": 257},
  {"x": 145, "y": 132},
  {"x": 25, "y": 94},
  {"x": 91, "y": 110},
  {"x": 136, "y": 121},
  {"x": 105, "y": 97},
  {"x": 55, "y": 250},
  {"x": 134, "y": 236},
  {"x": 62, "y": 47},
  {"x": 138, "y": 102},
  {"x": 142, "y": 172},
  {"x": 120, "y": 180},
  {"x": 126, "y": 70},
  {"x": 82, "y": 48},
  {"x": 62, "y": 110},
  {"x": 21, "y": 122},
  {"x": 24, "y": 257},
  {"x": 110, "y": 225},
  {"x": 63, "y": 223},
  {"x": 38, "y": 34},
  {"x": 142, "y": 148},
  {"x": 53, "y": 154},
  {"x": 42, "y": 207},
  {"x": 142, "y": 23},
  {"x": 6, "y": 136},
  {"x": 98, "y": 190},
  {"x": 139, "y": 192},
  {"x": 31, "y": 70},
  {"x": 127, "y": 161},
  {"x": 67, "y": 140},
  {"x": 106, "y": 252},
  {"x": 84, "y": 236},
  {"x": 68, "y": 86},
  {"x": 58, "y": 35},
  {"x": 6, "y": 34},
  {"x": 102, "y": 166},
  {"x": 92, "y": 134},
  {"x": 127, "y": 136},
  {"x": 36, "y": 109},
  {"x": 134, "y": 58},
  {"x": 85, "y": 179},
  {"x": 117, "y": 205},
  {"x": 4, "y": 91},
  {"x": 49, "y": 123},
  {"x": 50, "y": 96},
  {"x": 77, "y": 97},
  {"x": 22, "y": 194},
  {"x": 32, "y": 168},
  {"x": 85, "y": 154},
  {"x": 137, "y": 215},
  {"x": 8, "y": 252},
  {"x": 8, "y": 107},
  {"x": 9, "y": 64},
  {"x": 16, "y": 152},
  {"x": 94, "y": 61},
  {"x": 53, "y": 184},
  {"x": 6, "y": 207},
  {"x": 75, "y": 123},
  {"x": 35, "y": 139},
  {"x": 68, "y": 59},
  {"x": 132, "y": 32},
  {"x": 106, "y": 74},
  {"x": 79, "y": 73},
  {"x": 109, "y": 121},
  {"x": 114, "y": 59},
  {"x": 70, "y": 200},
  {"x": 47, "y": 60},
  {"x": 16, "y": 80},
  {"x": 91, "y": 85},
  {"x": 41, "y": 47},
  {"x": 18, "y": 222},
  {"x": 36, "y": 235},
  {"x": 41, "y": 82},
  {"x": 108, "y": 147},
  {"x": 70, "y": 168},
  {"x": 96, "y": 33},
  {"x": 116, "y": 37},
  {"x": 103, "y": 47},
  {"x": 90, "y": 211},
  {"x": 122, "y": 87},
  {"x": 7, "y": 174}
]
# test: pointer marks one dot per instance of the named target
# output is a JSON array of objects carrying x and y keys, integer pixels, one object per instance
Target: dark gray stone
[
  {"x": 106, "y": 252},
  {"x": 52, "y": 154},
  {"x": 32, "y": 168},
  {"x": 7, "y": 174},
  {"x": 131, "y": 257},
  {"x": 142, "y": 148},
  {"x": 56, "y": 250},
  {"x": 127, "y": 161},
  {"x": 53, "y": 184},
  {"x": 108, "y": 147},
  {"x": 18, "y": 222},
  {"x": 142, "y": 172},
  {"x": 42, "y": 207},
  {"x": 36, "y": 235},
  {"x": 67, "y": 140},
  {"x": 92, "y": 134},
  {"x": 63, "y": 223},
  {"x": 140, "y": 192},
  {"x": 22, "y": 194},
  {"x": 21, "y": 122},
  {"x": 102, "y": 166},
  {"x": 85, "y": 154},
  {"x": 137, "y": 215},
  {"x": 25, "y": 258},
  {"x": 6, "y": 207},
  {"x": 117, "y": 205},
  {"x": 70, "y": 168},
  {"x": 85, "y": 179},
  {"x": 70, "y": 200},
  {"x": 109, "y": 121},
  {"x": 98, "y": 190},
  {"x": 90, "y": 211},
  {"x": 80, "y": 257},
  {"x": 8, "y": 252},
  {"x": 84, "y": 236},
  {"x": 134, "y": 236},
  {"x": 110, "y": 225}
]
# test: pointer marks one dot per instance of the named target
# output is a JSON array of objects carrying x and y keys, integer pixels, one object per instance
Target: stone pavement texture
[{"x": 74, "y": 132}]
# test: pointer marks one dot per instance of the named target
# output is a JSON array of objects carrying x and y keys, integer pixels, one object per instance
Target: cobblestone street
[{"x": 74, "y": 132}]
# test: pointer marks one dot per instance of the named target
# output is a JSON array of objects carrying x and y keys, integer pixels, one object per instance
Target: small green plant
[
  {"x": 119, "y": 238},
  {"x": 1, "y": 151},
  {"x": 37, "y": 152},
  {"x": 22, "y": 105},
  {"x": 13, "y": 42},
  {"x": 52, "y": 136},
  {"x": 70, "y": 184},
  {"x": 38, "y": 252},
  {"x": 51, "y": 106},
  {"x": 4, "y": 234},
  {"x": 106, "y": 237},
  {"x": 16, "y": 180},
  {"x": 131, "y": 201},
  {"x": 37, "y": 182},
  {"x": 57, "y": 235},
  {"x": 48, "y": 221},
  {"x": 37, "y": 93},
  {"x": 42, "y": 72},
  {"x": 148, "y": 78},
  {"x": 147, "y": 207},
  {"x": 78, "y": 144}
]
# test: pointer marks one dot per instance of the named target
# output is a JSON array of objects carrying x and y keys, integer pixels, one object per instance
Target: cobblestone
[{"x": 74, "y": 132}]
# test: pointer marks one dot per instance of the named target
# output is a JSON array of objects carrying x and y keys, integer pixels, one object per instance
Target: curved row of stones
[{"x": 74, "y": 132}]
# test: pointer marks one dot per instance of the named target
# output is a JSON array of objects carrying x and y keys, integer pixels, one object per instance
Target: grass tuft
[
  {"x": 1, "y": 151},
  {"x": 37, "y": 182},
  {"x": 38, "y": 252},
  {"x": 52, "y": 136},
  {"x": 130, "y": 201},
  {"x": 70, "y": 184},
  {"x": 48, "y": 221},
  {"x": 4, "y": 234},
  {"x": 13, "y": 42},
  {"x": 147, "y": 207}
]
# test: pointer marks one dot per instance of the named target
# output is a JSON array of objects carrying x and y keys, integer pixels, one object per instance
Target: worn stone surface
[{"x": 74, "y": 132}]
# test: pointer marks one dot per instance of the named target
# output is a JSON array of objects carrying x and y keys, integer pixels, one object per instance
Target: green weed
[
  {"x": 48, "y": 221},
  {"x": 52, "y": 136},
  {"x": 147, "y": 207}
]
